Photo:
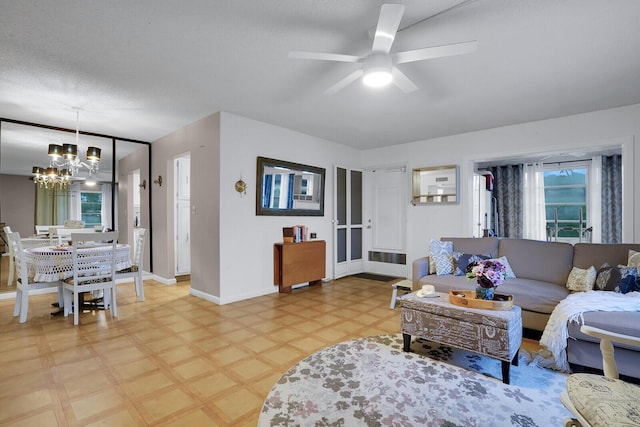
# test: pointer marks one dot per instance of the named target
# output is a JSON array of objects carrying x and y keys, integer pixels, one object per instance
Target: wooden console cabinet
[{"x": 295, "y": 263}]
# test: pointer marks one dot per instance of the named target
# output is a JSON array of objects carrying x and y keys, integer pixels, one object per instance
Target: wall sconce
[
  {"x": 158, "y": 180},
  {"x": 143, "y": 184},
  {"x": 241, "y": 186}
]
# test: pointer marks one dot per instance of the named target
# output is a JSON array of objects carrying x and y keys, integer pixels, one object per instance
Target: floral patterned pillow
[
  {"x": 619, "y": 278},
  {"x": 581, "y": 280}
]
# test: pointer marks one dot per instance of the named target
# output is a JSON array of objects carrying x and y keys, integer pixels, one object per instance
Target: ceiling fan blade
[
  {"x": 435, "y": 52},
  {"x": 344, "y": 82},
  {"x": 402, "y": 81},
  {"x": 324, "y": 56},
  {"x": 388, "y": 22}
]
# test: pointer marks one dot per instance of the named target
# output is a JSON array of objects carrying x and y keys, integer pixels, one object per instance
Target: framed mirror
[
  {"x": 435, "y": 185},
  {"x": 289, "y": 189}
]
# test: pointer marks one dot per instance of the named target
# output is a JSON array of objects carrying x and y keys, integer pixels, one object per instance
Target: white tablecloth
[{"x": 47, "y": 264}]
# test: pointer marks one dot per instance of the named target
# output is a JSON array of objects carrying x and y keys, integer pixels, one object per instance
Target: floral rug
[{"x": 372, "y": 382}]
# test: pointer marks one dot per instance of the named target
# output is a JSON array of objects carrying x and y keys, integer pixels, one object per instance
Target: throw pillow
[
  {"x": 619, "y": 278},
  {"x": 503, "y": 260},
  {"x": 462, "y": 260},
  {"x": 444, "y": 264},
  {"x": 581, "y": 280},
  {"x": 437, "y": 248},
  {"x": 634, "y": 259}
]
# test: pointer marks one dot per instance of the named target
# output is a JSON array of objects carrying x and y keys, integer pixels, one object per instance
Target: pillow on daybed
[
  {"x": 619, "y": 278},
  {"x": 581, "y": 280},
  {"x": 462, "y": 260}
]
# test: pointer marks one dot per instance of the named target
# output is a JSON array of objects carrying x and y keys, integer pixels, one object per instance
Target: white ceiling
[{"x": 141, "y": 69}]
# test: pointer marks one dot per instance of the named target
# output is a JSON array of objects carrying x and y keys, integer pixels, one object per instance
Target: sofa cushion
[
  {"x": 617, "y": 278},
  {"x": 440, "y": 253},
  {"x": 443, "y": 263},
  {"x": 538, "y": 260},
  {"x": 532, "y": 295},
  {"x": 620, "y": 322},
  {"x": 581, "y": 280},
  {"x": 470, "y": 245},
  {"x": 634, "y": 259},
  {"x": 462, "y": 260},
  {"x": 587, "y": 254},
  {"x": 510, "y": 274}
]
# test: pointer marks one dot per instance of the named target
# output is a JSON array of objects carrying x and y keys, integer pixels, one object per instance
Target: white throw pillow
[
  {"x": 503, "y": 260},
  {"x": 439, "y": 248},
  {"x": 581, "y": 280},
  {"x": 634, "y": 259}
]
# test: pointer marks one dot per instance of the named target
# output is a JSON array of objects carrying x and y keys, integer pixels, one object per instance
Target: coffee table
[{"x": 494, "y": 333}]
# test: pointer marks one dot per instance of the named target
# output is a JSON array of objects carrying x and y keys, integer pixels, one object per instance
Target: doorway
[
  {"x": 348, "y": 227},
  {"x": 386, "y": 200},
  {"x": 182, "y": 171}
]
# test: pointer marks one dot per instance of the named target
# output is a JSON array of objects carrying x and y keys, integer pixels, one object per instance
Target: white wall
[
  {"x": 619, "y": 126},
  {"x": 246, "y": 240}
]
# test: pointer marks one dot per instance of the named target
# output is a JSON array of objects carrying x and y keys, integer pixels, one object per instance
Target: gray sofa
[{"x": 542, "y": 270}]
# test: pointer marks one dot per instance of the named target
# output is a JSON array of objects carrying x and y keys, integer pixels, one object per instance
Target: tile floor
[{"x": 173, "y": 360}]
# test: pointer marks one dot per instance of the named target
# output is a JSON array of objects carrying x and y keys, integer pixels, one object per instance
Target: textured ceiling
[{"x": 141, "y": 69}]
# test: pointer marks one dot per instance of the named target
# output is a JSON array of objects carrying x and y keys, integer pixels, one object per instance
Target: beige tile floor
[{"x": 173, "y": 360}]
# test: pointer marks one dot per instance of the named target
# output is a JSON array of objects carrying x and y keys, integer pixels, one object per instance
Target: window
[
  {"x": 91, "y": 208},
  {"x": 566, "y": 191}
]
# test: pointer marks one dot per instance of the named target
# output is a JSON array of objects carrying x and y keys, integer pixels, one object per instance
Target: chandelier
[{"x": 65, "y": 163}]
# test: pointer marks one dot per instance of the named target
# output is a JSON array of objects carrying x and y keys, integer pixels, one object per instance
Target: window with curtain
[{"x": 566, "y": 188}]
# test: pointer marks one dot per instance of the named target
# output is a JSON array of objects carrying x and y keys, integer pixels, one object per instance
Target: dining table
[{"x": 54, "y": 263}]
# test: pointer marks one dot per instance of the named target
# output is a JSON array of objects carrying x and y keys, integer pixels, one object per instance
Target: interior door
[
  {"x": 348, "y": 227},
  {"x": 182, "y": 218},
  {"x": 386, "y": 203}
]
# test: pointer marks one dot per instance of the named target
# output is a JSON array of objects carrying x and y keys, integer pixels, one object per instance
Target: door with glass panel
[{"x": 347, "y": 221}]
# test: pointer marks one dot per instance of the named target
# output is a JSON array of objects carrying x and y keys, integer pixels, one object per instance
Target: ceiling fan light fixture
[{"x": 377, "y": 70}]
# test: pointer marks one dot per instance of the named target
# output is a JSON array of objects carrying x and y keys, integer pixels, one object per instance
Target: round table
[{"x": 52, "y": 263}]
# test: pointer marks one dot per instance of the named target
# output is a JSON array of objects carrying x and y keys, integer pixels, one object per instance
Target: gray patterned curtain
[
  {"x": 611, "y": 199},
  {"x": 508, "y": 188}
]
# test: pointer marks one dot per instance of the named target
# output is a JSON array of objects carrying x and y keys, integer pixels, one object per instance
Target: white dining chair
[
  {"x": 23, "y": 285},
  {"x": 94, "y": 269},
  {"x": 12, "y": 256},
  {"x": 135, "y": 271}
]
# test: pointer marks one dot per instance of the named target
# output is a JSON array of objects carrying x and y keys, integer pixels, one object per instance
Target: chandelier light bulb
[{"x": 64, "y": 158}]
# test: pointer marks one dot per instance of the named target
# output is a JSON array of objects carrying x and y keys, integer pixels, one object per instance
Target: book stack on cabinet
[{"x": 295, "y": 234}]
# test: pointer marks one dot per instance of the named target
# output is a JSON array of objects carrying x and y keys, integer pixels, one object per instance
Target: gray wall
[{"x": 18, "y": 203}]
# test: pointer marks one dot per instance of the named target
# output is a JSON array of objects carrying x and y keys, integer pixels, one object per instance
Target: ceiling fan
[{"x": 379, "y": 67}]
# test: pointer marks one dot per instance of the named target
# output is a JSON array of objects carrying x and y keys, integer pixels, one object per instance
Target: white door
[
  {"x": 182, "y": 215},
  {"x": 347, "y": 219},
  {"x": 386, "y": 200}
]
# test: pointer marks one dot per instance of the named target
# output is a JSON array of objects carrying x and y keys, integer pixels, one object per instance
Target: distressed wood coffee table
[{"x": 494, "y": 333}]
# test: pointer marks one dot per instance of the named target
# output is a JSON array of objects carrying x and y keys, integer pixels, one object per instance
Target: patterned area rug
[{"x": 372, "y": 382}]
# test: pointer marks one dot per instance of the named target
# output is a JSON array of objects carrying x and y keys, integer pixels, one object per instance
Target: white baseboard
[{"x": 234, "y": 298}]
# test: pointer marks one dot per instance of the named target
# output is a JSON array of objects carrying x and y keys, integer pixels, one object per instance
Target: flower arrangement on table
[{"x": 489, "y": 274}]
